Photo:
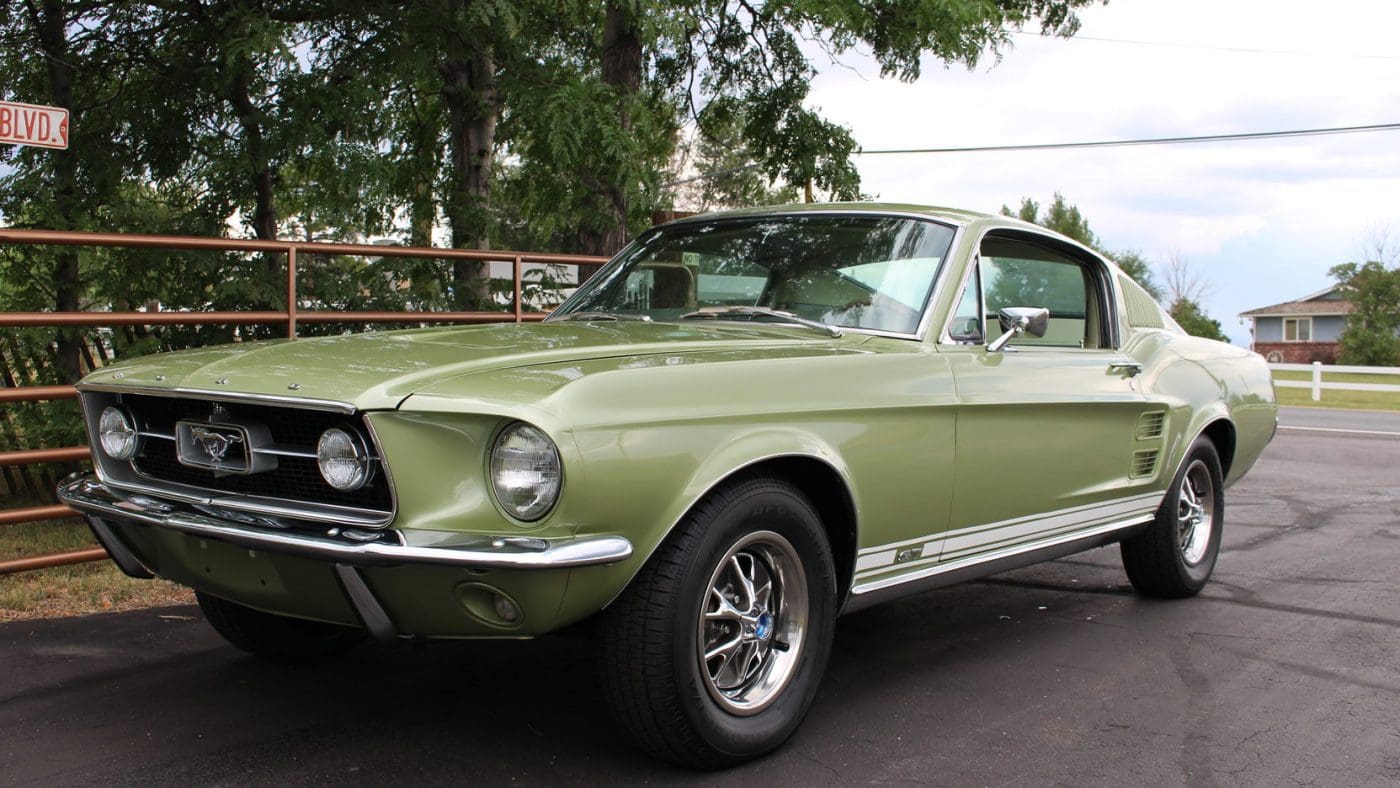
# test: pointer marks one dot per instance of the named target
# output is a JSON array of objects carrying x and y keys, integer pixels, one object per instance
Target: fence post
[
  {"x": 291, "y": 292},
  {"x": 519, "y": 307},
  {"x": 1317, "y": 381}
]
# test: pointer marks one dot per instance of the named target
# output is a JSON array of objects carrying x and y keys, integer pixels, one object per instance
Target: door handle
[{"x": 1129, "y": 368}]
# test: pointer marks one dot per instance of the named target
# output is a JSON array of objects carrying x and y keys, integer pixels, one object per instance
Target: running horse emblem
[{"x": 215, "y": 443}]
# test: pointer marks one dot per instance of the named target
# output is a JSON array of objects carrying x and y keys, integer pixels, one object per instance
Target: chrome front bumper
[{"x": 89, "y": 496}]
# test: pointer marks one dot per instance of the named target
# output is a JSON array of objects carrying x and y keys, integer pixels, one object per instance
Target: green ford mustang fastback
[{"x": 745, "y": 425}]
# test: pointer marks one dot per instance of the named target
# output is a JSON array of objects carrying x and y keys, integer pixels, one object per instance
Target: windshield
[{"x": 864, "y": 272}]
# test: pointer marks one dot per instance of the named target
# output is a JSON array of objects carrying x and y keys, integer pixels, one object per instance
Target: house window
[{"x": 1297, "y": 329}]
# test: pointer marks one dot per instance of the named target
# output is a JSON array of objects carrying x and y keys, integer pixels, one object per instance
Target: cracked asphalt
[{"x": 1285, "y": 671}]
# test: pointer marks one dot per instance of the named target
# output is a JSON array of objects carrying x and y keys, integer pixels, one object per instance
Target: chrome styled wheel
[
  {"x": 714, "y": 653},
  {"x": 1195, "y": 513},
  {"x": 753, "y": 623}
]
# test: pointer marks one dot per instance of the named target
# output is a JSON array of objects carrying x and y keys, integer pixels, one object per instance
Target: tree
[
  {"x": 1189, "y": 315},
  {"x": 726, "y": 64},
  {"x": 1186, "y": 288},
  {"x": 75, "y": 54},
  {"x": 1370, "y": 336},
  {"x": 714, "y": 172},
  {"x": 551, "y": 124},
  {"x": 1064, "y": 218}
]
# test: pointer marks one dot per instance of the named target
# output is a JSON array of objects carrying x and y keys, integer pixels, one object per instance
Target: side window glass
[
  {"x": 966, "y": 325},
  {"x": 1016, "y": 273}
]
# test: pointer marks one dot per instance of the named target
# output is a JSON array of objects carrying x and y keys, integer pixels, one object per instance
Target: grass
[
  {"x": 1351, "y": 400},
  {"x": 71, "y": 590},
  {"x": 1339, "y": 377}
]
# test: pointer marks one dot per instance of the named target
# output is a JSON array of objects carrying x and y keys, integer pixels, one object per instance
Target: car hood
[{"x": 379, "y": 370}]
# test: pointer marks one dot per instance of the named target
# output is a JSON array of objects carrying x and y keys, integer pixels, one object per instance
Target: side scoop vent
[
  {"x": 1150, "y": 425},
  {"x": 1144, "y": 463}
]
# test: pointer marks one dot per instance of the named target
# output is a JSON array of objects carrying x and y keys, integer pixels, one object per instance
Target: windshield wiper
[
  {"x": 715, "y": 312},
  {"x": 605, "y": 316}
]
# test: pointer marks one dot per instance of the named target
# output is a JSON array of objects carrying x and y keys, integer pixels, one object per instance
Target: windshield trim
[{"x": 925, "y": 315}]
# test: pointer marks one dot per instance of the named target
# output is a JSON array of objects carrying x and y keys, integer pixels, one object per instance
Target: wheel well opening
[
  {"x": 827, "y": 491},
  {"x": 1222, "y": 434}
]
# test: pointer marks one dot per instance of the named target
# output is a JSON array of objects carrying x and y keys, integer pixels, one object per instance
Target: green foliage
[
  {"x": 1189, "y": 315},
  {"x": 1137, "y": 267},
  {"x": 340, "y": 121},
  {"x": 1370, "y": 338},
  {"x": 714, "y": 172},
  {"x": 1064, "y": 218}
]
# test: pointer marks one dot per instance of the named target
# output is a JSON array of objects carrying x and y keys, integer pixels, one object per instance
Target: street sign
[{"x": 31, "y": 124}]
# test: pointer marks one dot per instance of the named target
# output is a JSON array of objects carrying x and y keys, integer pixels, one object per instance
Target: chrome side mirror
[{"x": 1017, "y": 320}]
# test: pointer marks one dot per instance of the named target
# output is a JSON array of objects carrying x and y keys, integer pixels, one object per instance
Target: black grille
[{"x": 294, "y": 479}]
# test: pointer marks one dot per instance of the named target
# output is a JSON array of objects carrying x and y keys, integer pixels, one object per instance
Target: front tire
[
  {"x": 1175, "y": 556},
  {"x": 714, "y": 653},
  {"x": 276, "y": 638}
]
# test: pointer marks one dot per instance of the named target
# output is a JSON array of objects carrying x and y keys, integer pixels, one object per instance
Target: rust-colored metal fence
[{"x": 289, "y": 317}]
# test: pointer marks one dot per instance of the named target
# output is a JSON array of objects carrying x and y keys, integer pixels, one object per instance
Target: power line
[
  {"x": 1253, "y": 135},
  {"x": 1209, "y": 47}
]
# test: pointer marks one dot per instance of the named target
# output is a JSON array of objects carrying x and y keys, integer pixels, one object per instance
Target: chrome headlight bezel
[
  {"x": 522, "y": 450},
  {"x": 118, "y": 436},
  {"x": 339, "y": 440}
]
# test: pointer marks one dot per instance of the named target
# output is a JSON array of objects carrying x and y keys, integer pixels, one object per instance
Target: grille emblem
[
  {"x": 224, "y": 447},
  {"x": 215, "y": 443}
]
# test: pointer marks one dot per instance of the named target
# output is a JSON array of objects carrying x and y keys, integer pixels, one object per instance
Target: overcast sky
[{"x": 1262, "y": 220}]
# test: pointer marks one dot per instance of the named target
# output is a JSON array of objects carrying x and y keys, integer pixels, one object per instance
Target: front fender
[{"x": 634, "y": 491}]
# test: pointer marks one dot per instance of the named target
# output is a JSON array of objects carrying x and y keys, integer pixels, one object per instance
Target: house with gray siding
[{"x": 1301, "y": 331}]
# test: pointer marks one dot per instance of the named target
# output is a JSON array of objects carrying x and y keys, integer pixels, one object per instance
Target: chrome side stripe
[
  {"x": 882, "y": 558},
  {"x": 988, "y": 557},
  {"x": 979, "y": 538}
]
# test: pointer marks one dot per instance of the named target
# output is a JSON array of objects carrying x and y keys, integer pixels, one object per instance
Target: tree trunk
[
  {"x": 422, "y": 207},
  {"x": 622, "y": 71},
  {"x": 473, "y": 107},
  {"x": 262, "y": 176},
  {"x": 67, "y": 286},
  {"x": 260, "y": 170}
]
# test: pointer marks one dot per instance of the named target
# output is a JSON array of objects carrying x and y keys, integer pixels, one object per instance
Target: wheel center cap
[{"x": 763, "y": 628}]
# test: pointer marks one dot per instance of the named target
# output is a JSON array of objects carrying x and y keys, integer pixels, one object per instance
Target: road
[
  {"x": 1336, "y": 420},
  {"x": 1284, "y": 671}
]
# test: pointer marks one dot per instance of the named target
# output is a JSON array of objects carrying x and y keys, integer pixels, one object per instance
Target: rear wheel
[
  {"x": 713, "y": 655},
  {"x": 276, "y": 638},
  {"x": 1174, "y": 557}
]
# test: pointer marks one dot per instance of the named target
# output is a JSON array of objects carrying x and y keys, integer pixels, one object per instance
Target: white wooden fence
[{"x": 1317, "y": 384}]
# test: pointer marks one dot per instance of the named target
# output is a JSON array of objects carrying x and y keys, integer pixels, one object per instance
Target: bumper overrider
[{"x": 105, "y": 507}]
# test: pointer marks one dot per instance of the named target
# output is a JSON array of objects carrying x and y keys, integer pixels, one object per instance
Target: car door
[{"x": 1047, "y": 428}]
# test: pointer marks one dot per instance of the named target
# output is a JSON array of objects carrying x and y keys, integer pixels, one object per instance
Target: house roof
[
  {"x": 1315, "y": 304},
  {"x": 1305, "y": 308}
]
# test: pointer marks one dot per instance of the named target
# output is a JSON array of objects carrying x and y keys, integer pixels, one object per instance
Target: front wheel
[
  {"x": 713, "y": 655},
  {"x": 1174, "y": 557}
]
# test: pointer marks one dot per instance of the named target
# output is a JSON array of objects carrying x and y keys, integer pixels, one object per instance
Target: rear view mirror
[{"x": 1017, "y": 320}]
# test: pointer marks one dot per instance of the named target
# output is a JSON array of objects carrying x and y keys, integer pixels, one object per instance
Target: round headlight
[
  {"x": 525, "y": 472},
  {"x": 116, "y": 430},
  {"x": 343, "y": 460}
]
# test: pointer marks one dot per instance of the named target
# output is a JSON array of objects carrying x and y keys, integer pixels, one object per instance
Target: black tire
[
  {"x": 1172, "y": 559},
  {"x": 671, "y": 701},
  {"x": 276, "y": 638}
]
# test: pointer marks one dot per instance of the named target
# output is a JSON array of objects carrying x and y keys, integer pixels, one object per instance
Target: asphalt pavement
[
  {"x": 1286, "y": 670},
  {"x": 1337, "y": 420}
]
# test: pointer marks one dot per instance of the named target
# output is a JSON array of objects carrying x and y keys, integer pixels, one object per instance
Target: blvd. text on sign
[{"x": 31, "y": 124}]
